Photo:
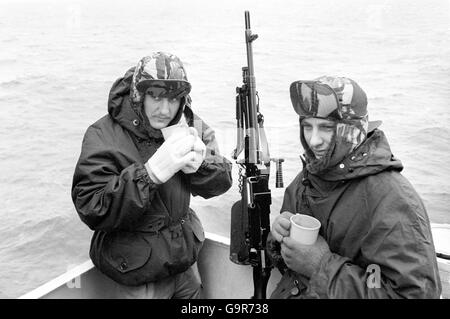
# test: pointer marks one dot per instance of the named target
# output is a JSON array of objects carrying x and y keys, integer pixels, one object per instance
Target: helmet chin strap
[
  {"x": 177, "y": 117},
  {"x": 320, "y": 165},
  {"x": 347, "y": 137},
  {"x": 334, "y": 155},
  {"x": 317, "y": 165}
]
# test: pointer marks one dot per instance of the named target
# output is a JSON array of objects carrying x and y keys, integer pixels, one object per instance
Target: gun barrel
[
  {"x": 247, "y": 19},
  {"x": 252, "y": 120}
]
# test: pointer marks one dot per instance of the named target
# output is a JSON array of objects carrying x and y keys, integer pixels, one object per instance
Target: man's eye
[{"x": 153, "y": 96}]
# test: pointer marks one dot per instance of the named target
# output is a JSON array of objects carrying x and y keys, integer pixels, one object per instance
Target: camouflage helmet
[
  {"x": 334, "y": 98},
  {"x": 338, "y": 99},
  {"x": 161, "y": 75}
]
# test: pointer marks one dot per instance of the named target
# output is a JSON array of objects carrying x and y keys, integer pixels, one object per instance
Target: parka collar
[{"x": 371, "y": 157}]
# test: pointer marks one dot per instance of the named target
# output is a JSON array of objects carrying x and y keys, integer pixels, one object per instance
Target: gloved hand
[
  {"x": 170, "y": 157},
  {"x": 199, "y": 154}
]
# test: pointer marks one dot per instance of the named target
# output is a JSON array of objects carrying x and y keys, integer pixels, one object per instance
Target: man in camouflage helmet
[
  {"x": 132, "y": 186},
  {"x": 375, "y": 239}
]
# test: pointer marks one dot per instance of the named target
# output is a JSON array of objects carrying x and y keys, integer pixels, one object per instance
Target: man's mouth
[
  {"x": 319, "y": 154},
  {"x": 161, "y": 119}
]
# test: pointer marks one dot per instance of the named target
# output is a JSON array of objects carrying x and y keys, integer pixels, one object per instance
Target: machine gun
[{"x": 250, "y": 216}]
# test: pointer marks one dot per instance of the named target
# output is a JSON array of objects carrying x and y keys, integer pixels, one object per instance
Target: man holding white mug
[
  {"x": 373, "y": 224},
  {"x": 133, "y": 182}
]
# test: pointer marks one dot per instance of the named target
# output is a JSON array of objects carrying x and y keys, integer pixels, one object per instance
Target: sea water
[{"x": 58, "y": 60}]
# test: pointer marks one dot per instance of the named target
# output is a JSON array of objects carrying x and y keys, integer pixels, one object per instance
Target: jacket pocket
[
  {"x": 197, "y": 227},
  {"x": 138, "y": 258},
  {"x": 194, "y": 236},
  {"x": 127, "y": 251}
]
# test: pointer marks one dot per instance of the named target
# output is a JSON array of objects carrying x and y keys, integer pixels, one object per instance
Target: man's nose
[
  {"x": 164, "y": 107},
  {"x": 316, "y": 139}
]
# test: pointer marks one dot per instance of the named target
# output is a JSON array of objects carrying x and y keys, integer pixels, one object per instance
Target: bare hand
[
  {"x": 304, "y": 259},
  {"x": 281, "y": 226}
]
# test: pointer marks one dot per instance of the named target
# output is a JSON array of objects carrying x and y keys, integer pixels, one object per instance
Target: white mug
[
  {"x": 180, "y": 129},
  {"x": 304, "y": 228},
  {"x": 177, "y": 129}
]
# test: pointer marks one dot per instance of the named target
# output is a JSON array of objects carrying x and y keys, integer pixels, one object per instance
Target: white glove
[
  {"x": 199, "y": 151},
  {"x": 170, "y": 157}
]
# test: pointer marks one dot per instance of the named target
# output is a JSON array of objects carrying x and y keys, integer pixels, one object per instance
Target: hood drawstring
[{"x": 304, "y": 206}]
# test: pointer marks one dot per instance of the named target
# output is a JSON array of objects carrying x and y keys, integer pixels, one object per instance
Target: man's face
[
  {"x": 318, "y": 134},
  {"x": 160, "y": 110}
]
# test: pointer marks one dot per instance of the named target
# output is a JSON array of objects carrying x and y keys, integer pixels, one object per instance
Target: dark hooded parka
[
  {"x": 373, "y": 220},
  {"x": 114, "y": 195}
]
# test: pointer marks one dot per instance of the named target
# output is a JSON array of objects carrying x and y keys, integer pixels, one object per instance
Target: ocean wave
[
  {"x": 38, "y": 243},
  {"x": 37, "y": 80},
  {"x": 10, "y": 84},
  {"x": 7, "y": 62},
  {"x": 374, "y": 99},
  {"x": 436, "y": 139},
  {"x": 435, "y": 132},
  {"x": 10, "y": 40}
]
